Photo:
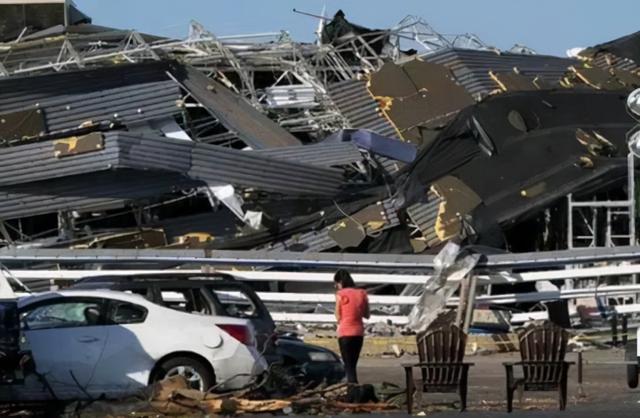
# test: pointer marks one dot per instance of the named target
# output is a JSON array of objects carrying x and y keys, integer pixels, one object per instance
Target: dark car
[{"x": 223, "y": 295}]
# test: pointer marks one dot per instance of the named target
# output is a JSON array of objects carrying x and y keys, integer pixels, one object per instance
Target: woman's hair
[{"x": 344, "y": 278}]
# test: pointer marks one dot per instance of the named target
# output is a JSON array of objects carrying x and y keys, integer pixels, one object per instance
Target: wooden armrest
[
  {"x": 408, "y": 365},
  {"x": 533, "y": 363}
]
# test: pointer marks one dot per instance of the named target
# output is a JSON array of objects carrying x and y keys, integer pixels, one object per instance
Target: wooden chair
[
  {"x": 542, "y": 349},
  {"x": 441, "y": 353}
]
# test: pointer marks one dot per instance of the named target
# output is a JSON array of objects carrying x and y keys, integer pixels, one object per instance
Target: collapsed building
[{"x": 370, "y": 140}]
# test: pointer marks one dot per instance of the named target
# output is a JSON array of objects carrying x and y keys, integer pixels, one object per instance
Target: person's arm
[
  {"x": 337, "y": 310},
  {"x": 367, "y": 312}
]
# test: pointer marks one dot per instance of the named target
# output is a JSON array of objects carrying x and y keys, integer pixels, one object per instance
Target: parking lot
[{"x": 604, "y": 386}]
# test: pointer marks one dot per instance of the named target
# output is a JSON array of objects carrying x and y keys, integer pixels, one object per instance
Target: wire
[
  {"x": 346, "y": 214},
  {"x": 82, "y": 388}
]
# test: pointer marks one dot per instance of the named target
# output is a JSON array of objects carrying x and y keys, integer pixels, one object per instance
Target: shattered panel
[
  {"x": 360, "y": 109},
  {"x": 251, "y": 126},
  {"x": 457, "y": 201},
  {"x": 417, "y": 94},
  {"x": 514, "y": 82},
  {"x": 424, "y": 215},
  {"x": 471, "y": 67}
]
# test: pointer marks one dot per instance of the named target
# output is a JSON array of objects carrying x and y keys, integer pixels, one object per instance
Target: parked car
[
  {"x": 9, "y": 333},
  {"x": 223, "y": 295},
  {"x": 102, "y": 342}
]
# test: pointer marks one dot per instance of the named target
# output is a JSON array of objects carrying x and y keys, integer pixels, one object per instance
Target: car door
[
  {"x": 66, "y": 337},
  {"x": 125, "y": 365}
]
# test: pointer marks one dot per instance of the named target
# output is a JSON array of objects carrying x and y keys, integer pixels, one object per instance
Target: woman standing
[{"x": 352, "y": 305}]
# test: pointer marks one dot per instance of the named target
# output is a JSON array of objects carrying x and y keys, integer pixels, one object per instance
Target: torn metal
[{"x": 386, "y": 141}]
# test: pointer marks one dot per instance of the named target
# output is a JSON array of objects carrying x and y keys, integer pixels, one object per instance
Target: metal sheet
[
  {"x": 359, "y": 108},
  {"x": 19, "y": 92},
  {"x": 218, "y": 165},
  {"x": 233, "y": 111},
  {"x": 94, "y": 97},
  {"x": 321, "y": 154},
  {"x": 420, "y": 262},
  {"x": 37, "y": 162},
  {"x": 209, "y": 163},
  {"x": 471, "y": 67},
  {"x": 109, "y": 189}
]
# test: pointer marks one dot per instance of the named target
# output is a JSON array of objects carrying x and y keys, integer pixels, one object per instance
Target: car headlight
[{"x": 321, "y": 356}]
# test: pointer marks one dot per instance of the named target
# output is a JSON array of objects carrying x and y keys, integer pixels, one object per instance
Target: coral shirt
[{"x": 351, "y": 304}]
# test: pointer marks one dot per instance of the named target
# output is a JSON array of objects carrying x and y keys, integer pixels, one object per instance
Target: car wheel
[
  {"x": 632, "y": 369},
  {"x": 198, "y": 376}
]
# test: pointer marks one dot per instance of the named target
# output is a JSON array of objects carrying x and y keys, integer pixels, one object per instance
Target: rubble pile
[
  {"x": 172, "y": 397},
  {"x": 118, "y": 139}
]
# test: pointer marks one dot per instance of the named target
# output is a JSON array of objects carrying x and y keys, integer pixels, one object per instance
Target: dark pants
[{"x": 350, "y": 348}]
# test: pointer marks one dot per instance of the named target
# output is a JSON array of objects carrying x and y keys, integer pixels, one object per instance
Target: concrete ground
[{"x": 605, "y": 388}]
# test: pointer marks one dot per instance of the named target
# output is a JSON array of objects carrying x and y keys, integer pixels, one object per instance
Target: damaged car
[
  {"x": 221, "y": 295},
  {"x": 89, "y": 344}
]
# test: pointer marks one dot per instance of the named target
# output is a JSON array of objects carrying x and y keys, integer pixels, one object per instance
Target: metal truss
[{"x": 419, "y": 32}]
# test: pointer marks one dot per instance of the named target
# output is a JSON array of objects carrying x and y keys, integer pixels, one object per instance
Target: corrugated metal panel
[
  {"x": 108, "y": 189},
  {"x": 391, "y": 208},
  {"x": 318, "y": 241},
  {"x": 252, "y": 127},
  {"x": 313, "y": 241},
  {"x": 66, "y": 106},
  {"x": 471, "y": 67},
  {"x": 360, "y": 109},
  {"x": 218, "y": 165},
  {"x": 322, "y": 154},
  {"x": 210, "y": 163},
  {"x": 424, "y": 216},
  {"x": 37, "y": 162},
  {"x": 125, "y": 104},
  {"x": 152, "y": 153},
  {"x": 606, "y": 61},
  {"x": 21, "y": 92}
]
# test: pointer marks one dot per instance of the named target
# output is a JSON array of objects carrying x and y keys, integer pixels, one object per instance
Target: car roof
[
  {"x": 168, "y": 276},
  {"x": 67, "y": 293},
  {"x": 126, "y": 297}
]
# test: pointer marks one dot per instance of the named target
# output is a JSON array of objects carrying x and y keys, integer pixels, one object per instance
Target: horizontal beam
[
  {"x": 360, "y": 278},
  {"x": 329, "y": 318},
  {"x": 319, "y": 260},
  {"x": 209, "y": 257},
  {"x": 518, "y": 318},
  {"x": 489, "y": 299}
]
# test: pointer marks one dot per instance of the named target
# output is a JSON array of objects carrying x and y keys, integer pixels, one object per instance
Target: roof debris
[{"x": 356, "y": 142}]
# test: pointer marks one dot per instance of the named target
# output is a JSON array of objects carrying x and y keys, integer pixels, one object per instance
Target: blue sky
[{"x": 548, "y": 26}]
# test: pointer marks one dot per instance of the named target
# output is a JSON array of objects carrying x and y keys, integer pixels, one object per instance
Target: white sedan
[{"x": 89, "y": 343}]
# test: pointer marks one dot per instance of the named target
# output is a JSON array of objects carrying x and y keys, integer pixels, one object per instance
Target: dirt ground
[{"x": 604, "y": 384}]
